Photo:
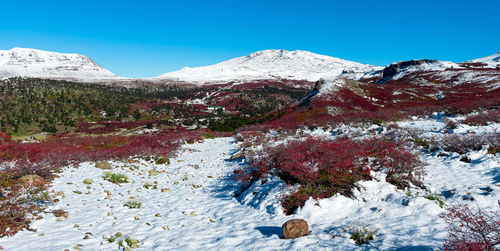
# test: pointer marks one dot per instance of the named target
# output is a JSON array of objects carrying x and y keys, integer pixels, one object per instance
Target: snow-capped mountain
[
  {"x": 273, "y": 64},
  {"x": 25, "y": 62},
  {"x": 492, "y": 60}
]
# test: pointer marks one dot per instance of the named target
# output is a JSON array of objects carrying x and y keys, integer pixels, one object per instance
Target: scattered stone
[
  {"x": 77, "y": 192},
  {"x": 136, "y": 218},
  {"x": 87, "y": 181},
  {"x": 165, "y": 227},
  {"x": 158, "y": 215},
  {"x": 104, "y": 165},
  {"x": 212, "y": 220},
  {"x": 133, "y": 161},
  {"x": 76, "y": 225},
  {"x": 153, "y": 172},
  {"x": 164, "y": 190},
  {"x": 39, "y": 217},
  {"x": 192, "y": 213},
  {"x": 86, "y": 237},
  {"x": 41, "y": 234},
  {"x": 210, "y": 177},
  {"x": 295, "y": 228},
  {"x": 60, "y": 213},
  {"x": 237, "y": 155},
  {"x": 465, "y": 159},
  {"x": 197, "y": 186},
  {"x": 176, "y": 182}
]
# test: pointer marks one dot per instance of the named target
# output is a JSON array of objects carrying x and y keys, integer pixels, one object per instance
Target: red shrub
[
  {"x": 483, "y": 118},
  {"x": 327, "y": 167},
  {"x": 471, "y": 228}
]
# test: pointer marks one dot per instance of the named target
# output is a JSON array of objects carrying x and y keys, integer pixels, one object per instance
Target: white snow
[
  {"x": 274, "y": 64},
  {"x": 492, "y": 61},
  {"x": 23, "y": 62}
]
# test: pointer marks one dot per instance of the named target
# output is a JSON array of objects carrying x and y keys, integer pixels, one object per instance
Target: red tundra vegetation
[
  {"x": 324, "y": 168},
  {"x": 471, "y": 228}
]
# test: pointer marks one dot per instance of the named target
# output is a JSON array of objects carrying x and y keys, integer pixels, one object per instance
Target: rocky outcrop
[{"x": 395, "y": 68}]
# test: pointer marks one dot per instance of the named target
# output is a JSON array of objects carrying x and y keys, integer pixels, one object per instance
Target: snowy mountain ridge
[
  {"x": 492, "y": 60},
  {"x": 273, "y": 64},
  {"x": 25, "y": 62}
]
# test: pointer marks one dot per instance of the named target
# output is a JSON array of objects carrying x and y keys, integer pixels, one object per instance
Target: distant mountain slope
[
  {"x": 273, "y": 64},
  {"x": 492, "y": 60},
  {"x": 44, "y": 64}
]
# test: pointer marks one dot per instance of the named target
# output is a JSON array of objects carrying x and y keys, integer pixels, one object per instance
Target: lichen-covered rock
[
  {"x": 103, "y": 165},
  {"x": 295, "y": 228}
]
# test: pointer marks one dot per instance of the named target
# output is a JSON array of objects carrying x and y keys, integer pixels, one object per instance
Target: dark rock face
[
  {"x": 295, "y": 228},
  {"x": 393, "y": 69}
]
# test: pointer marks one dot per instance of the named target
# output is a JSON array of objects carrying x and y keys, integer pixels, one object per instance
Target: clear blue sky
[{"x": 148, "y": 38}]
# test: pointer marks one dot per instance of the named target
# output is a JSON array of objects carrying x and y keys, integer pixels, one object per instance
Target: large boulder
[{"x": 295, "y": 228}]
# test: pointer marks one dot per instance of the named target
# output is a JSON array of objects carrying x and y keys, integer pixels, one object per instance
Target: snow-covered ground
[{"x": 190, "y": 205}]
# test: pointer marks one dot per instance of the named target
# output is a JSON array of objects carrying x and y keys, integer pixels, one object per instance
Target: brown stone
[
  {"x": 32, "y": 180},
  {"x": 103, "y": 165},
  {"x": 295, "y": 228}
]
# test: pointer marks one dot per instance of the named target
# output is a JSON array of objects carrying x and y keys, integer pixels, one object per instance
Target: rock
[
  {"x": 133, "y": 161},
  {"x": 87, "y": 181},
  {"x": 103, "y": 165},
  {"x": 32, "y": 180},
  {"x": 237, "y": 155},
  {"x": 192, "y": 213},
  {"x": 153, "y": 172},
  {"x": 60, "y": 213},
  {"x": 164, "y": 190},
  {"x": 295, "y": 228}
]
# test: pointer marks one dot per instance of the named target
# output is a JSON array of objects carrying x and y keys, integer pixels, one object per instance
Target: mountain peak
[
  {"x": 273, "y": 64},
  {"x": 27, "y": 62}
]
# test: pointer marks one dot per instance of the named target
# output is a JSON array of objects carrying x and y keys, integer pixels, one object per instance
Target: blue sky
[{"x": 148, "y": 38}]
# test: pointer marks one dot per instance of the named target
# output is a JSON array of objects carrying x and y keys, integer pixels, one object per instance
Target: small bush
[
  {"x": 115, "y": 178},
  {"x": 462, "y": 144},
  {"x": 133, "y": 204},
  {"x": 471, "y": 228},
  {"x": 162, "y": 160},
  {"x": 421, "y": 142},
  {"x": 362, "y": 234},
  {"x": 436, "y": 198}
]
